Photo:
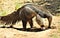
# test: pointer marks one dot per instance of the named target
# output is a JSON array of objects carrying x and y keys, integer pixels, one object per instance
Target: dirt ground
[{"x": 48, "y": 33}]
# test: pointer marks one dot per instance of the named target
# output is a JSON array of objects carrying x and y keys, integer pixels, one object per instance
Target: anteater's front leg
[{"x": 50, "y": 21}]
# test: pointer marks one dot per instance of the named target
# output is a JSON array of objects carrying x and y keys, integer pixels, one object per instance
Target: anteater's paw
[
  {"x": 53, "y": 27},
  {"x": 10, "y": 27}
]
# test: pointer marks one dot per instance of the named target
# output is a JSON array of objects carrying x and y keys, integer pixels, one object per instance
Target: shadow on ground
[{"x": 32, "y": 30}]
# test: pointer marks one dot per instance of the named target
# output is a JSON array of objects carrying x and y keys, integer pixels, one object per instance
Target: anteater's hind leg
[
  {"x": 11, "y": 25},
  {"x": 31, "y": 23},
  {"x": 24, "y": 24}
]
